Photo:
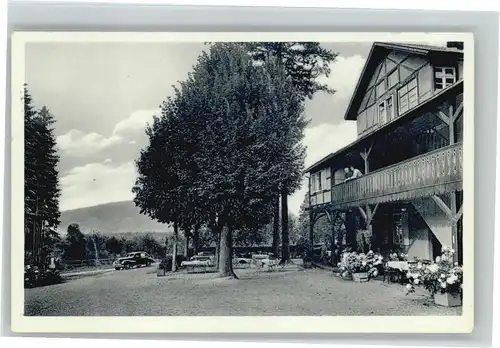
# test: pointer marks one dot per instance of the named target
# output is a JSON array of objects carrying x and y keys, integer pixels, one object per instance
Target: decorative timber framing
[
  {"x": 453, "y": 215},
  {"x": 451, "y": 119}
]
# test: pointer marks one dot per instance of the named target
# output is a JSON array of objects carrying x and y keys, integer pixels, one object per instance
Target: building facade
[{"x": 408, "y": 106}]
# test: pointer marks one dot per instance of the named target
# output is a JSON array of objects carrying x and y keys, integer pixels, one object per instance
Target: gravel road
[{"x": 139, "y": 292}]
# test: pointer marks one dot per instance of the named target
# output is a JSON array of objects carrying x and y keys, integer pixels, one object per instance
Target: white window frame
[
  {"x": 383, "y": 116},
  {"x": 404, "y": 94},
  {"x": 440, "y": 73}
]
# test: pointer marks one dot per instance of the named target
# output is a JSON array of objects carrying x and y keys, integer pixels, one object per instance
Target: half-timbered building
[{"x": 409, "y": 113}]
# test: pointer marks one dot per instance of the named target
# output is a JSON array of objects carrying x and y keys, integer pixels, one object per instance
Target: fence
[{"x": 74, "y": 264}]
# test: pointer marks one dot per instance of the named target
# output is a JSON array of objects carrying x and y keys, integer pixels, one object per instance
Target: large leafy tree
[
  {"x": 41, "y": 182},
  {"x": 305, "y": 63},
  {"x": 164, "y": 188},
  {"x": 247, "y": 109}
]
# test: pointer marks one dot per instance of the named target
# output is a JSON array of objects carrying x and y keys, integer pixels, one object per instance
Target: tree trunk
[
  {"x": 285, "y": 238},
  {"x": 196, "y": 239},
  {"x": 97, "y": 263},
  {"x": 276, "y": 225},
  {"x": 216, "y": 231},
  {"x": 333, "y": 246},
  {"x": 186, "y": 244},
  {"x": 174, "y": 248},
  {"x": 226, "y": 253}
]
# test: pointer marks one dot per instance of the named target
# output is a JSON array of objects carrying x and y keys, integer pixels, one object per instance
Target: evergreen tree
[
  {"x": 41, "y": 183},
  {"x": 75, "y": 243},
  {"x": 305, "y": 63}
]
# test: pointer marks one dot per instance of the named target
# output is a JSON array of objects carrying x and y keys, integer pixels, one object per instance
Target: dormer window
[{"x": 444, "y": 77}]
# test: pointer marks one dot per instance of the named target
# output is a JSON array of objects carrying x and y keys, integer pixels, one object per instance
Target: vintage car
[{"x": 134, "y": 259}]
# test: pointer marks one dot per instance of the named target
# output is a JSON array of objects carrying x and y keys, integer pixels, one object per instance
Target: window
[
  {"x": 361, "y": 120},
  {"x": 382, "y": 116},
  {"x": 444, "y": 77},
  {"x": 380, "y": 89},
  {"x": 393, "y": 79},
  {"x": 370, "y": 116},
  {"x": 386, "y": 111},
  {"x": 408, "y": 96},
  {"x": 319, "y": 181},
  {"x": 390, "y": 108}
]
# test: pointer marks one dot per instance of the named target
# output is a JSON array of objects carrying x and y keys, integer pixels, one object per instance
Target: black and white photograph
[{"x": 255, "y": 175}]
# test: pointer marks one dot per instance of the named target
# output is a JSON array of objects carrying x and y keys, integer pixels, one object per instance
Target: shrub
[{"x": 442, "y": 275}]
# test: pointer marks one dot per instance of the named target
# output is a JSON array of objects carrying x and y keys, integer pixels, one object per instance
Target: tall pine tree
[{"x": 41, "y": 182}]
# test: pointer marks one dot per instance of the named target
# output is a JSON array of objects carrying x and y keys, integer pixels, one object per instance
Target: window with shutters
[
  {"x": 408, "y": 96},
  {"x": 444, "y": 77}
]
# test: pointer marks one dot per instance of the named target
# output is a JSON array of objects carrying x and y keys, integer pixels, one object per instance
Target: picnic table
[
  {"x": 204, "y": 264},
  {"x": 262, "y": 261}
]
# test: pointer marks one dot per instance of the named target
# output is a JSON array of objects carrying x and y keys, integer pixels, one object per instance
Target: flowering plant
[
  {"x": 442, "y": 275},
  {"x": 398, "y": 257},
  {"x": 353, "y": 262}
]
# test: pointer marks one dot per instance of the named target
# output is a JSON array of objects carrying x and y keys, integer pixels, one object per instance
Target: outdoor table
[{"x": 399, "y": 265}]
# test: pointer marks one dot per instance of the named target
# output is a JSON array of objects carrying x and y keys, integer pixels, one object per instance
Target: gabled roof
[
  {"x": 378, "y": 51},
  {"x": 367, "y": 139}
]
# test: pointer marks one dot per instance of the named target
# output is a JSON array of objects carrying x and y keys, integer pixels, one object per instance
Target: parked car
[{"x": 134, "y": 259}]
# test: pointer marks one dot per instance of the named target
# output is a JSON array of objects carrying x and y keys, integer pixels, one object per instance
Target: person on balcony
[
  {"x": 356, "y": 173},
  {"x": 352, "y": 173},
  {"x": 348, "y": 174}
]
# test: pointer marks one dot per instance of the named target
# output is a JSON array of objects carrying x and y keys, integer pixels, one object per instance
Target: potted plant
[
  {"x": 398, "y": 257},
  {"x": 442, "y": 278},
  {"x": 360, "y": 267}
]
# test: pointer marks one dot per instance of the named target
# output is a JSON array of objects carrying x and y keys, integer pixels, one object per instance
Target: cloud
[
  {"x": 327, "y": 108},
  {"x": 322, "y": 140},
  {"x": 97, "y": 183},
  {"x": 345, "y": 72},
  {"x": 136, "y": 121},
  {"x": 79, "y": 144}
]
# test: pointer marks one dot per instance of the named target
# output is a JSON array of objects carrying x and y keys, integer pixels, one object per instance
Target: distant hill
[{"x": 111, "y": 218}]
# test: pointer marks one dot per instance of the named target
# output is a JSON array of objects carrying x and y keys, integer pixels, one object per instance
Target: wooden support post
[
  {"x": 332, "y": 218},
  {"x": 453, "y": 215},
  {"x": 454, "y": 225},
  {"x": 451, "y": 126},
  {"x": 365, "y": 155},
  {"x": 368, "y": 213}
]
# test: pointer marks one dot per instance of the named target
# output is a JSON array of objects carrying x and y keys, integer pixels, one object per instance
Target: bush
[{"x": 166, "y": 263}]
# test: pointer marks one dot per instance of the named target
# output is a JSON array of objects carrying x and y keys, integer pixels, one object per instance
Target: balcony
[{"x": 432, "y": 173}]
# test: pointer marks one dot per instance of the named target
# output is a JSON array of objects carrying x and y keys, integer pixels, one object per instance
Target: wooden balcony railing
[{"x": 432, "y": 173}]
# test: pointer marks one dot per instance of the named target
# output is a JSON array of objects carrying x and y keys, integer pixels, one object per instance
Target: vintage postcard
[{"x": 242, "y": 182}]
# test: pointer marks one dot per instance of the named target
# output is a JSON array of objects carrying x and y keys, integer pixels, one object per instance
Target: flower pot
[
  {"x": 347, "y": 277},
  {"x": 447, "y": 299},
  {"x": 360, "y": 277}
]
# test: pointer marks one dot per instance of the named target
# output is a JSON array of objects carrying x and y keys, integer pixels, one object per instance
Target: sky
[{"x": 103, "y": 94}]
